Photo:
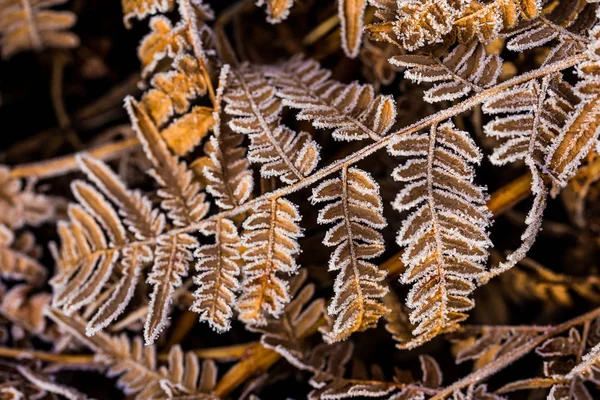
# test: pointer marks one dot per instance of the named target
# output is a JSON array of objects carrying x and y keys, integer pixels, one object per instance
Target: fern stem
[{"x": 62, "y": 165}]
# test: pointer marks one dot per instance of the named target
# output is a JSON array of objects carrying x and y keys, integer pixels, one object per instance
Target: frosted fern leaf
[
  {"x": 445, "y": 235},
  {"x": 217, "y": 279},
  {"x": 356, "y": 210},
  {"x": 95, "y": 244},
  {"x": 282, "y": 152},
  {"x": 351, "y": 13},
  {"x": 419, "y": 23},
  {"x": 536, "y": 114},
  {"x": 270, "y": 236},
  {"x": 136, "y": 367},
  {"x": 277, "y": 10},
  {"x": 140, "y": 9},
  {"x": 353, "y": 111},
  {"x": 88, "y": 257},
  {"x": 468, "y": 68},
  {"x": 580, "y": 133},
  {"x": 32, "y": 25},
  {"x": 182, "y": 197},
  {"x": 224, "y": 166},
  {"x": 485, "y": 20},
  {"x": 172, "y": 255}
]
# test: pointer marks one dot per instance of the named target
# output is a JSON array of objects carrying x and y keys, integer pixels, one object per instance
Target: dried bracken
[{"x": 300, "y": 195}]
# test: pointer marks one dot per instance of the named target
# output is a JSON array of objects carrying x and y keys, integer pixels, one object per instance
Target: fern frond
[
  {"x": 224, "y": 166},
  {"x": 417, "y": 24},
  {"x": 172, "y": 255},
  {"x": 24, "y": 306},
  {"x": 182, "y": 197},
  {"x": 31, "y": 25},
  {"x": 581, "y": 131},
  {"x": 270, "y": 236},
  {"x": 280, "y": 150},
  {"x": 353, "y": 111},
  {"x": 445, "y": 234},
  {"x": 137, "y": 212},
  {"x": 15, "y": 264},
  {"x": 351, "y": 13},
  {"x": 218, "y": 275},
  {"x": 485, "y": 20},
  {"x": 536, "y": 115},
  {"x": 277, "y": 10},
  {"x": 357, "y": 213},
  {"x": 136, "y": 365},
  {"x": 140, "y": 9},
  {"x": 468, "y": 68}
]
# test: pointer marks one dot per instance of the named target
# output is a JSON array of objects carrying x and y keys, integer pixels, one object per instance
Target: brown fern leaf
[
  {"x": 536, "y": 114},
  {"x": 21, "y": 206},
  {"x": 581, "y": 131},
  {"x": 566, "y": 23},
  {"x": 172, "y": 255},
  {"x": 468, "y": 68},
  {"x": 419, "y": 23},
  {"x": 277, "y": 10},
  {"x": 285, "y": 334},
  {"x": 135, "y": 365},
  {"x": 357, "y": 213},
  {"x": 485, "y": 20},
  {"x": 351, "y": 13},
  {"x": 87, "y": 260},
  {"x": 30, "y": 25},
  {"x": 218, "y": 275},
  {"x": 141, "y": 219},
  {"x": 225, "y": 167},
  {"x": 445, "y": 234},
  {"x": 15, "y": 264},
  {"x": 280, "y": 150},
  {"x": 270, "y": 236},
  {"x": 353, "y": 111},
  {"x": 140, "y": 9},
  {"x": 174, "y": 89},
  {"x": 182, "y": 198}
]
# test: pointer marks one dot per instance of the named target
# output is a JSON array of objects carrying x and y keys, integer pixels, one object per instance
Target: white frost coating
[
  {"x": 122, "y": 292},
  {"x": 352, "y": 111},
  {"x": 271, "y": 237},
  {"x": 217, "y": 277},
  {"x": 445, "y": 235},
  {"x": 282, "y": 152},
  {"x": 357, "y": 213},
  {"x": 466, "y": 69},
  {"x": 171, "y": 258}
]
